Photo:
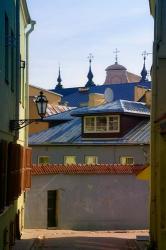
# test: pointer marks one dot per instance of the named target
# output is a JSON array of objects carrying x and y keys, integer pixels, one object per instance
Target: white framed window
[
  {"x": 89, "y": 124},
  {"x": 102, "y": 124},
  {"x": 126, "y": 160},
  {"x": 43, "y": 159},
  {"x": 91, "y": 159},
  {"x": 113, "y": 123},
  {"x": 69, "y": 159}
]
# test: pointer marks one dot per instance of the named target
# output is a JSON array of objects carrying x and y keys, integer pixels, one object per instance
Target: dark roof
[
  {"x": 112, "y": 169},
  {"x": 75, "y": 96}
]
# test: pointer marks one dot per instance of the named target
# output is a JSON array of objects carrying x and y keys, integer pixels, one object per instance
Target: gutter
[{"x": 32, "y": 23}]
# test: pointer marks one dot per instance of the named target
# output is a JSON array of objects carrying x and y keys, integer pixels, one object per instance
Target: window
[
  {"x": 12, "y": 62},
  {"x": 91, "y": 160},
  {"x": 125, "y": 160},
  {"x": 113, "y": 123},
  {"x": 70, "y": 159},
  {"x": 6, "y": 49},
  {"x": 102, "y": 124},
  {"x": 43, "y": 159},
  {"x": 89, "y": 124}
]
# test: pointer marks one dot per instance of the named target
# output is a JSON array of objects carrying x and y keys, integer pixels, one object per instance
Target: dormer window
[{"x": 102, "y": 124}]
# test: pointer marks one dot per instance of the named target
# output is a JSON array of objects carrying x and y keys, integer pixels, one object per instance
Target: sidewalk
[{"x": 33, "y": 239}]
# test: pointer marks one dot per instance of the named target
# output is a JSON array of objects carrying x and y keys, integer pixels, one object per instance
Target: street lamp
[{"x": 41, "y": 104}]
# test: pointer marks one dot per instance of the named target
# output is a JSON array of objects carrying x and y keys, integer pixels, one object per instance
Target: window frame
[
  {"x": 65, "y": 157},
  {"x": 40, "y": 156},
  {"x": 96, "y": 159},
  {"x": 107, "y": 125},
  {"x": 127, "y": 157}
]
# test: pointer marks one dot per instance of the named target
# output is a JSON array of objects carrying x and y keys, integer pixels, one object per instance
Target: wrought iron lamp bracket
[{"x": 18, "y": 124}]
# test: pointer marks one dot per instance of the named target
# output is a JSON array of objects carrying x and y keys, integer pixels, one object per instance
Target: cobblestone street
[{"x": 75, "y": 240}]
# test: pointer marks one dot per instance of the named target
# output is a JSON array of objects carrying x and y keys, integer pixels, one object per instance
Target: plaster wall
[
  {"x": 106, "y": 154},
  {"x": 98, "y": 202}
]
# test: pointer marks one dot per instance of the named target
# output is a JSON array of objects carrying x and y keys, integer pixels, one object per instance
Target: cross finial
[
  {"x": 90, "y": 57},
  {"x": 145, "y": 54},
  {"x": 116, "y": 55}
]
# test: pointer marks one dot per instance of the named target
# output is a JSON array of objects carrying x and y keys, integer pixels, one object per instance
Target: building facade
[
  {"x": 87, "y": 163},
  {"x": 158, "y": 128},
  {"x": 83, "y": 197},
  {"x": 15, "y": 156},
  {"x": 110, "y": 133}
]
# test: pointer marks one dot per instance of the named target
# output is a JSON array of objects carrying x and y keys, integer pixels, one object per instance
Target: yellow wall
[
  {"x": 53, "y": 98},
  {"x": 96, "y": 99}
]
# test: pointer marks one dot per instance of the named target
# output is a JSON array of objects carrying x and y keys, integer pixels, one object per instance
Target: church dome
[{"x": 115, "y": 66}]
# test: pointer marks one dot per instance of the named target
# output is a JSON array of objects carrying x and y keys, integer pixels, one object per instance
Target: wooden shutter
[
  {"x": 28, "y": 167},
  {"x": 3, "y": 173},
  {"x": 23, "y": 152}
]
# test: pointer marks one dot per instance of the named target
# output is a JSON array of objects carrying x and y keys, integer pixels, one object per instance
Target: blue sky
[{"x": 67, "y": 31}]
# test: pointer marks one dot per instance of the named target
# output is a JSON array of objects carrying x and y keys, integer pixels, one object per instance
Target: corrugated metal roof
[
  {"x": 63, "y": 116},
  {"x": 113, "y": 169},
  {"x": 70, "y": 133},
  {"x": 119, "y": 106},
  {"x": 66, "y": 132}
]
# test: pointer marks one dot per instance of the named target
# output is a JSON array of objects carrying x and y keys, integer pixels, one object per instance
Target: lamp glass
[{"x": 41, "y": 103}]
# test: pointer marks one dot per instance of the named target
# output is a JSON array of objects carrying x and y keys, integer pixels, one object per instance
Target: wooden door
[{"x": 52, "y": 208}]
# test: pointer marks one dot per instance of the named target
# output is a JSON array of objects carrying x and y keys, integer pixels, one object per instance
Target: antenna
[{"x": 109, "y": 95}]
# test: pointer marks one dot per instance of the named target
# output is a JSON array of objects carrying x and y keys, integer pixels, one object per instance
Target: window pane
[
  {"x": 6, "y": 49},
  {"x": 89, "y": 124},
  {"x": 43, "y": 159},
  {"x": 114, "y": 123},
  {"x": 101, "y": 124},
  {"x": 69, "y": 160},
  {"x": 126, "y": 160},
  {"x": 90, "y": 160}
]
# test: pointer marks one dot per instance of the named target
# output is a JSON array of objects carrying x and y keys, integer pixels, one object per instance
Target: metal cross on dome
[
  {"x": 90, "y": 57},
  {"x": 116, "y": 55},
  {"x": 145, "y": 54}
]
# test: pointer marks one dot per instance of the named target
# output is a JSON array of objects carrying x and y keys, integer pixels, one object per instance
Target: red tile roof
[
  {"x": 114, "y": 169},
  {"x": 56, "y": 109}
]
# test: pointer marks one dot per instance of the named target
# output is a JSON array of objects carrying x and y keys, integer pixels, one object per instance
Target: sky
[{"x": 66, "y": 31}]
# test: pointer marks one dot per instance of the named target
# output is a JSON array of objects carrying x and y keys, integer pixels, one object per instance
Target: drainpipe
[
  {"x": 32, "y": 23},
  {"x": 16, "y": 133}
]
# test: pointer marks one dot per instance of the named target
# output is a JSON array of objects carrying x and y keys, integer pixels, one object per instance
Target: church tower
[{"x": 117, "y": 73}]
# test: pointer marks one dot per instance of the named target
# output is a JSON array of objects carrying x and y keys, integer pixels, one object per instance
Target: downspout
[
  {"x": 17, "y": 79},
  {"x": 32, "y": 23}
]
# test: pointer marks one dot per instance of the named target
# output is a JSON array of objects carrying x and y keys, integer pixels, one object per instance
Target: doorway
[{"x": 52, "y": 197}]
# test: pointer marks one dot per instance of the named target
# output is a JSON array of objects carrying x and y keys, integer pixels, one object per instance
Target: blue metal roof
[
  {"x": 63, "y": 116},
  {"x": 63, "y": 133},
  {"x": 119, "y": 106},
  {"x": 70, "y": 133},
  {"x": 75, "y": 96}
]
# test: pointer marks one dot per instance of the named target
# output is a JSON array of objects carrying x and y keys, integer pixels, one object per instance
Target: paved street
[{"x": 79, "y": 240}]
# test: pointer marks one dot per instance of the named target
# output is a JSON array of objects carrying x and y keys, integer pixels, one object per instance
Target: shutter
[
  {"x": 28, "y": 168},
  {"x": 23, "y": 168},
  {"x": 20, "y": 167},
  {"x": 11, "y": 174},
  {"x": 3, "y": 173}
]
